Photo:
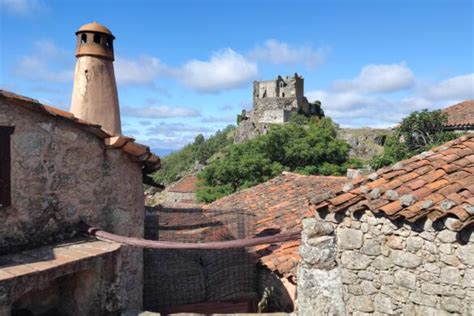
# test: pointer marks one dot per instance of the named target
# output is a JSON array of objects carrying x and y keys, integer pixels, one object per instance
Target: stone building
[
  {"x": 58, "y": 170},
  {"x": 273, "y": 103},
  {"x": 399, "y": 241},
  {"x": 274, "y": 100},
  {"x": 182, "y": 191}
]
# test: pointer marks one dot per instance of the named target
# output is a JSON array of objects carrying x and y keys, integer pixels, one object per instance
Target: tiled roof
[
  {"x": 184, "y": 223},
  {"x": 185, "y": 185},
  {"x": 278, "y": 205},
  {"x": 438, "y": 185},
  {"x": 139, "y": 153},
  {"x": 461, "y": 114}
]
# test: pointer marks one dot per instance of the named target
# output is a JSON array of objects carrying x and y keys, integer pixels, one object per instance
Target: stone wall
[
  {"x": 61, "y": 175},
  {"x": 167, "y": 197},
  {"x": 385, "y": 267},
  {"x": 262, "y": 105},
  {"x": 275, "y": 116}
]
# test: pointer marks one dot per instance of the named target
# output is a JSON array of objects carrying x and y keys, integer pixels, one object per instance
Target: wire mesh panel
[{"x": 174, "y": 277}]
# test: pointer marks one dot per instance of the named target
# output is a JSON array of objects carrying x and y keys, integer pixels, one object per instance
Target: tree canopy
[
  {"x": 307, "y": 149},
  {"x": 418, "y": 132},
  {"x": 178, "y": 163}
]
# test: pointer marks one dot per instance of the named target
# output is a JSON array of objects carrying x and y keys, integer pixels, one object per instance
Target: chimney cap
[{"x": 95, "y": 27}]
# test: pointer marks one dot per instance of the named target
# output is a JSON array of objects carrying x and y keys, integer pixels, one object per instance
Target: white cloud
[
  {"x": 225, "y": 70},
  {"x": 277, "y": 52},
  {"x": 143, "y": 70},
  {"x": 163, "y": 111},
  {"x": 228, "y": 119},
  {"x": 459, "y": 88},
  {"x": 337, "y": 100},
  {"x": 176, "y": 129},
  {"x": 355, "y": 108},
  {"x": 379, "y": 78},
  {"x": 174, "y": 135},
  {"x": 22, "y": 7},
  {"x": 47, "y": 63}
]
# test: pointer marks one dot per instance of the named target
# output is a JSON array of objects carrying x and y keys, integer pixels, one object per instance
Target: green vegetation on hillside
[
  {"x": 418, "y": 132},
  {"x": 181, "y": 162},
  {"x": 306, "y": 149}
]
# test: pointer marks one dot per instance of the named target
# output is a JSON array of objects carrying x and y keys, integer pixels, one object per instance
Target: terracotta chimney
[{"x": 94, "y": 95}]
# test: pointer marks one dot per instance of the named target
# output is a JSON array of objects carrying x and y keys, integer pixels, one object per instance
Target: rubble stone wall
[
  {"x": 61, "y": 175},
  {"x": 385, "y": 267},
  {"x": 168, "y": 197}
]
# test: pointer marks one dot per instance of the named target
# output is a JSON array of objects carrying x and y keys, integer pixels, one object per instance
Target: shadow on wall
[
  {"x": 68, "y": 295},
  {"x": 273, "y": 295},
  {"x": 174, "y": 278}
]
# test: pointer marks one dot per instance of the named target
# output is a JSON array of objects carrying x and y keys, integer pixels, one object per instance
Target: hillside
[{"x": 193, "y": 156}]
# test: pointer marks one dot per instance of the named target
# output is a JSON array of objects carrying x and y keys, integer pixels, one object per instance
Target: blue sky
[{"x": 186, "y": 67}]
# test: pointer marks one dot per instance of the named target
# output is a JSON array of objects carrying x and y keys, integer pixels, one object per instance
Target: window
[
  {"x": 97, "y": 38},
  {"x": 5, "y": 165},
  {"x": 108, "y": 43},
  {"x": 83, "y": 38}
]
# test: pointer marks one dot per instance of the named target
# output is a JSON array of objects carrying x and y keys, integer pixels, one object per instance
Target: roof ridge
[
  {"x": 437, "y": 184},
  {"x": 140, "y": 153}
]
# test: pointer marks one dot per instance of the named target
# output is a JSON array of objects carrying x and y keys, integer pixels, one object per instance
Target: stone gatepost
[{"x": 320, "y": 290}]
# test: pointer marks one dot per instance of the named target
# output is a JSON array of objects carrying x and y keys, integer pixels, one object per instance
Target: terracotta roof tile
[
  {"x": 461, "y": 114},
  {"x": 279, "y": 204},
  {"x": 139, "y": 152},
  {"x": 435, "y": 184},
  {"x": 185, "y": 185}
]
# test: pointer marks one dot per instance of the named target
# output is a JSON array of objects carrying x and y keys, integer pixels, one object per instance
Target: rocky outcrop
[{"x": 365, "y": 142}]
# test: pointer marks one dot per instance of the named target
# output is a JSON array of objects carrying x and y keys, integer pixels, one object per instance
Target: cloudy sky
[{"x": 186, "y": 67}]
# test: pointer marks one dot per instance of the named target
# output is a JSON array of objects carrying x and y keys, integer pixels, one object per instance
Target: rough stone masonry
[
  {"x": 372, "y": 265},
  {"x": 63, "y": 174}
]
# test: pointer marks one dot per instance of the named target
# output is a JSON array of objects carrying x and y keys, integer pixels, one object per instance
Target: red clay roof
[
  {"x": 438, "y": 185},
  {"x": 461, "y": 114},
  {"x": 184, "y": 223},
  {"x": 185, "y": 185},
  {"x": 277, "y": 205},
  {"x": 140, "y": 153}
]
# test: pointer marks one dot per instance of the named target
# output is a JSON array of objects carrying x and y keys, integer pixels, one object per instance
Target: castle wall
[
  {"x": 372, "y": 265},
  {"x": 275, "y": 116},
  {"x": 61, "y": 175},
  {"x": 267, "y": 89},
  {"x": 268, "y": 107}
]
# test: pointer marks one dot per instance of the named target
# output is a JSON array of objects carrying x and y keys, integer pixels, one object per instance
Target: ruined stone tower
[
  {"x": 274, "y": 100},
  {"x": 94, "y": 95},
  {"x": 273, "y": 103}
]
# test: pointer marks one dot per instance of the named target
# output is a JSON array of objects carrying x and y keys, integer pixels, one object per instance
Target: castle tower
[{"x": 94, "y": 94}]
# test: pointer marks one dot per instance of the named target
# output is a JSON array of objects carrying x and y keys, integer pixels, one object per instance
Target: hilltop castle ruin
[{"x": 273, "y": 103}]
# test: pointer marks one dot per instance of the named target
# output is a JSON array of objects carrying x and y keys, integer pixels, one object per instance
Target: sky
[{"x": 187, "y": 67}]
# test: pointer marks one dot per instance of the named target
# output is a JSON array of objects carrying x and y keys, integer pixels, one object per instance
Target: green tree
[
  {"x": 418, "y": 132},
  {"x": 181, "y": 162},
  {"x": 309, "y": 149}
]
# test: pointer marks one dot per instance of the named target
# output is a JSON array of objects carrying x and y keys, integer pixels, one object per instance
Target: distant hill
[
  {"x": 191, "y": 158},
  {"x": 162, "y": 152}
]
